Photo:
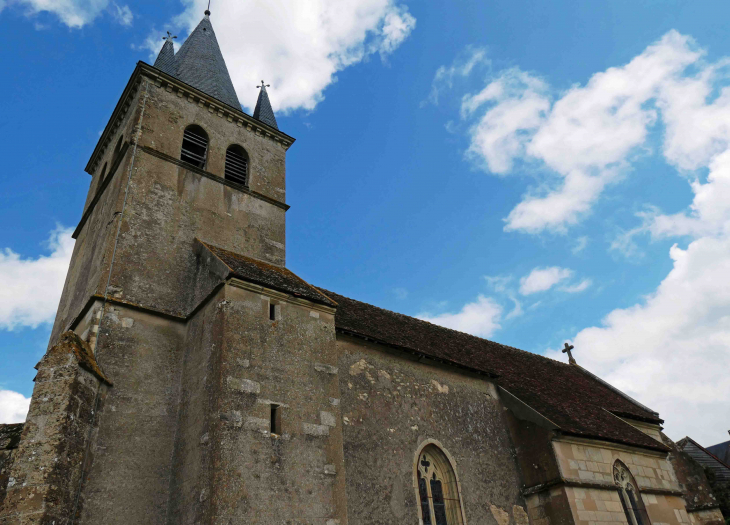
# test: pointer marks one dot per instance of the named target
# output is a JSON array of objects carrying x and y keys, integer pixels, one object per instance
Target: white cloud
[
  {"x": 542, "y": 279},
  {"x": 123, "y": 14},
  {"x": 519, "y": 105},
  {"x": 577, "y": 288},
  {"x": 73, "y": 13},
  {"x": 30, "y": 289},
  {"x": 461, "y": 67},
  {"x": 13, "y": 407},
  {"x": 588, "y": 137},
  {"x": 298, "y": 47},
  {"x": 480, "y": 318},
  {"x": 580, "y": 244},
  {"x": 670, "y": 351}
]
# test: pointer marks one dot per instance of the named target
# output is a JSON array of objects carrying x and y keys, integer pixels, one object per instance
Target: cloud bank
[{"x": 30, "y": 289}]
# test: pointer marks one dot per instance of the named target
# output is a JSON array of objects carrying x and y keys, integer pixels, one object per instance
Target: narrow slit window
[
  {"x": 195, "y": 146},
  {"x": 276, "y": 419},
  {"x": 236, "y": 165},
  {"x": 272, "y": 312}
]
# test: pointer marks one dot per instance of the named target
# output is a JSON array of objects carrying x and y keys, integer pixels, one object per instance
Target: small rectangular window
[
  {"x": 272, "y": 312},
  {"x": 275, "y": 419}
]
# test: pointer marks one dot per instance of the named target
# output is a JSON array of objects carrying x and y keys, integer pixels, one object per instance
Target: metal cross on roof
[
  {"x": 169, "y": 37},
  {"x": 263, "y": 85},
  {"x": 567, "y": 350}
]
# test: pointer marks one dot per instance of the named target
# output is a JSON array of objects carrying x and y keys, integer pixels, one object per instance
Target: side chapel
[{"x": 191, "y": 378}]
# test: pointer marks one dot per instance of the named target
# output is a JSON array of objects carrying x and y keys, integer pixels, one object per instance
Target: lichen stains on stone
[
  {"x": 441, "y": 389},
  {"x": 502, "y": 516}
]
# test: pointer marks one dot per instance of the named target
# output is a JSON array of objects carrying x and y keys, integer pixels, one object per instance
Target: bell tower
[
  {"x": 177, "y": 161},
  {"x": 213, "y": 367}
]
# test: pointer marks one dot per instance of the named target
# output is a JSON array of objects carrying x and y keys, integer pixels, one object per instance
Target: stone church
[{"x": 191, "y": 378}]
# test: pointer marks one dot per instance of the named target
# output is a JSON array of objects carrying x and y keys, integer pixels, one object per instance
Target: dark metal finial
[
  {"x": 567, "y": 350},
  {"x": 263, "y": 85},
  {"x": 169, "y": 37},
  {"x": 207, "y": 11}
]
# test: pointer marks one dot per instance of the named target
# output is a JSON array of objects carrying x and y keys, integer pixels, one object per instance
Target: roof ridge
[
  {"x": 438, "y": 326},
  {"x": 703, "y": 449}
]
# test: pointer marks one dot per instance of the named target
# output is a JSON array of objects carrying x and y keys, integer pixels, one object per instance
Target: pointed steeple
[
  {"x": 263, "y": 111},
  {"x": 166, "y": 59},
  {"x": 199, "y": 62}
]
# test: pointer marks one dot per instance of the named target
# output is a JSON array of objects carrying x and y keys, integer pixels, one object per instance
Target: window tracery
[
  {"x": 630, "y": 496},
  {"x": 438, "y": 490}
]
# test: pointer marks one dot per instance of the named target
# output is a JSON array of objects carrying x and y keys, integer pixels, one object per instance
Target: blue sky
[{"x": 532, "y": 172}]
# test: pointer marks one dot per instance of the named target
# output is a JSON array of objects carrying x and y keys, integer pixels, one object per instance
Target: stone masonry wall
[
  {"x": 45, "y": 477},
  {"x": 593, "y": 463},
  {"x": 390, "y": 405},
  {"x": 131, "y": 448},
  {"x": 550, "y": 507},
  {"x": 706, "y": 517},
  {"x": 9, "y": 439},
  {"x": 230, "y": 468}
]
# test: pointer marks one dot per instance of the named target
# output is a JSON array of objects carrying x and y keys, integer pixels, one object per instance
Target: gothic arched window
[
  {"x": 236, "y": 164},
  {"x": 438, "y": 488},
  {"x": 630, "y": 496},
  {"x": 194, "y": 146}
]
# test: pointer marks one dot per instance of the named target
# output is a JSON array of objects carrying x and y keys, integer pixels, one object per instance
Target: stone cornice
[
  {"x": 579, "y": 483},
  {"x": 602, "y": 443},
  {"x": 183, "y": 90}
]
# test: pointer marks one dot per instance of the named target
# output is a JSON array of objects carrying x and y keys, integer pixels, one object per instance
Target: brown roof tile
[
  {"x": 268, "y": 275},
  {"x": 577, "y": 403}
]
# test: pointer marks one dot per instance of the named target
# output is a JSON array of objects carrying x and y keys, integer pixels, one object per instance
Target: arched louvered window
[
  {"x": 630, "y": 496},
  {"x": 194, "y": 146},
  {"x": 236, "y": 164},
  {"x": 438, "y": 489}
]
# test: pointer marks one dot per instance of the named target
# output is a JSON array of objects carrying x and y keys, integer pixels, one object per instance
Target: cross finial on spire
[
  {"x": 567, "y": 350},
  {"x": 263, "y": 85},
  {"x": 169, "y": 37},
  {"x": 207, "y": 11}
]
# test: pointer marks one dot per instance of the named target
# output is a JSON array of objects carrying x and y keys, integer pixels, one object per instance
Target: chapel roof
[
  {"x": 268, "y": 275},
  {"x": 199, "y": 63},
  {"x": 565, "y": 394}
]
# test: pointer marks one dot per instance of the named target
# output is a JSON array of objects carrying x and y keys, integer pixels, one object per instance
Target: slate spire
[
  {"x": 263, "y": 111},
  {"x": 166, "y": 59},
  {"x": 199, "y": 63}
]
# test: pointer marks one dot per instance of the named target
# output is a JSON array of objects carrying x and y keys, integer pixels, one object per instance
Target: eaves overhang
[{"x": 161, "y": 78}]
